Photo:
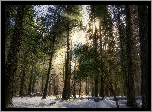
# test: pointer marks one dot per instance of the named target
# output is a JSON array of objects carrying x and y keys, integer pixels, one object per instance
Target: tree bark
[{"x": 131, "y": 102}]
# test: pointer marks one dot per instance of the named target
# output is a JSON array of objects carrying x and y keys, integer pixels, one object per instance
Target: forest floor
[{"x": 84, "y": 102}]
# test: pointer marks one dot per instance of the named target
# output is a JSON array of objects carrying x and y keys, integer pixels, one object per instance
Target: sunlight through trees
[{"x": 69, "y": 51}]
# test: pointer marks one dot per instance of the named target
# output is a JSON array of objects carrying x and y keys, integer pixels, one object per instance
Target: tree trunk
[
  {"x": 95, "y": 44},
  {"x": 11, "y": 62},
  {"x": 122, "y": 53},
  {"x": 21, "y": 93},
  {"x": 112, "y": 91},
  {"x": 57, "y": 83},
  {"x": 7, "y": 28},
  {"x": 96, "y": 85},
  {"x": 102, "y": 87},
  {"x": 30, "y": 84},
  {"x": 33, "y": 84},
  {"x": 23, "y": 74},
  {"x": 130, "y": 68},
  {"x": 92, "y": 88},
  {"x": 47, "y": 79},
  {"x": 86, "y": 86},
  {"x": 64, "y": 68},
  {"x": 7, "y": 16},
  {"x": 74, "y": 91},
  {"x": 143, "y": 33},
  {"x": 42, "y": 83},
  {"x": 80, "y": 88},
  {"x": 49, "y": 89},
  {"x": 101, "y": 66},
  {"x": 54, "y": 85},
  {"x": 43, "y": 75},
  {"x": 66, "y": 89},
  {"x": 49, "y": 69}
]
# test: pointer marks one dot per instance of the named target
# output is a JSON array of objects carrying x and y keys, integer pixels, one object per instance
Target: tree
[
  {"x": 50, "y": 64},
  {"x": 56, "y": 31},
  {"x": 11, "y": 62},
  {"x": 70, "y": 10},
  {"x": 143, "y": 34},
  {"x": 10, "y": 15},
  {"x": 23, "y": 74},
  {"x": 123, "y": 53},
  {"x": 130, "y": 67},
  {"x": 29, "y": 49}
]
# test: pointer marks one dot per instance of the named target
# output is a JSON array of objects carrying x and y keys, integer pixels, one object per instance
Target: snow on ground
[{"x": 52, "y": 102}]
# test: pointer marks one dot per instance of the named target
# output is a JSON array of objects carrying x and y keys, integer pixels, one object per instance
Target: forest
[{"x": 71, "y": 51}]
